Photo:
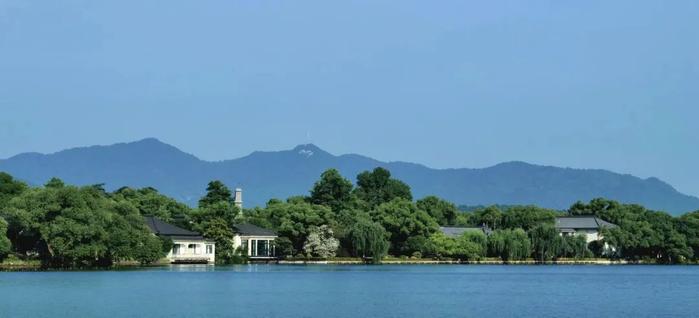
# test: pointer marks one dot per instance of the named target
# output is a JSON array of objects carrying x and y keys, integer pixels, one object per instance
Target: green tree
[
  {"x": 9, "y": 188},
  {"x": 377, "y": 187},
  {"x": 642, "y": 234},
  {"x": 574, "y": 246},
  {"x": 403, "y": 221},
  {"x": 369, "y": 240},
  {"x": 77, "y": 227},
  {"x": 466, "y": 247},
  {"x": 598, "y": 207},
  {"x": 5, "y": 245},
  {"x": 216, "y": 192},
  {"x": 465, "y": 219},
  {"x": 150, "y": 202},
  {"x": 332, "y": 190},
  {"x": 688, "y": 225},
  {"x": 55, "y": 183},
  {"x": 292, "y": 219},
  {"x": 215, "y": 218},
  {"x": 219, "y": 230},
  {"x": 490, "y": 216},
  {"x": 509, "y": 244},
  {"x": 442, "y": 211},
  {"x": 546, "y": 242},
  {"x": 527, "y": 217},
  {"x": 284, "y": 247}
]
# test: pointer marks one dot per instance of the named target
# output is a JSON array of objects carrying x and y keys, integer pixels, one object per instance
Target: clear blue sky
[{"x": 586, "y": 84}]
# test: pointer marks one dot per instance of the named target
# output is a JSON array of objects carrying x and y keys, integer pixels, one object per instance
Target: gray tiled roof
[
  {"x": 582, "y": 222},
  {"x": 250, "y": 229},
  {"x": 458, "y": 231},
  {"x": 158, "y": 227}
]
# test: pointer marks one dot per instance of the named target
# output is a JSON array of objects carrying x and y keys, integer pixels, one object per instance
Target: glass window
[
  {"x": 209, "y": 249},
  {"x": 244, "y": 246},
  {"x": 262, "y": 248},
  {"x": 176, "y": 249}
]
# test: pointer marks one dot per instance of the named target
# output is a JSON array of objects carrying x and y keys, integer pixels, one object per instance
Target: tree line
[{"x": 69, "y": 226}]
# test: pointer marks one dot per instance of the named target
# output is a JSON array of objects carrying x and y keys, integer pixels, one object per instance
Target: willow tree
[
  {"x": 509, "y": 244},
  {"x": 369, "y": 240},
  {"x": 546, "y": 242}
]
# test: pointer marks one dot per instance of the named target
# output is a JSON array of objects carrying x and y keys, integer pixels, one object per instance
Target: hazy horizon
[{"x": 460, "y": 84}]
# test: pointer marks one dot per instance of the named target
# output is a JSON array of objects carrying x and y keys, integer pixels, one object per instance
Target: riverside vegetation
[{"x": 64, "y": 226}]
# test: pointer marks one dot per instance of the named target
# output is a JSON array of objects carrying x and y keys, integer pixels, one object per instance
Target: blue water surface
[{"x": 356, "y": 291}]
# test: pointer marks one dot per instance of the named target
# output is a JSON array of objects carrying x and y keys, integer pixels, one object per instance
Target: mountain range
[{"x": 279, "y": 174}]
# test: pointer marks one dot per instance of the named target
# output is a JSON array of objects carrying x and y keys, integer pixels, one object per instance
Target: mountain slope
[{"x": 265, "y": 175}]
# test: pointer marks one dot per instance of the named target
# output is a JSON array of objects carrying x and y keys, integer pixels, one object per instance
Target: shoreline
[
  {"x": 459, "y": 262},
  {"x": 35, "y": 267}
]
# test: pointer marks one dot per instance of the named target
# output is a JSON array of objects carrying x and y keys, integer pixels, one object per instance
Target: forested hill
[{"x": 281, "y": 174}]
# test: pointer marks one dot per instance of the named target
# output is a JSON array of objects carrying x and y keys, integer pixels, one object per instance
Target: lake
[{"x": 355, "y": 291}]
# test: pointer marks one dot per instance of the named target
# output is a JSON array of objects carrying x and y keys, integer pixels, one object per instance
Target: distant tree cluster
[{"x": 68, "y": 226}]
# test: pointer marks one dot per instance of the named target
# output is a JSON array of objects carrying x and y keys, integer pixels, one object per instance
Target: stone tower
[{"x": 238, "y": 198}]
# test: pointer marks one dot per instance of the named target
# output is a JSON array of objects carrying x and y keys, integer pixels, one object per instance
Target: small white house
[
  {"x": 188, "y": 247},
  {"x": 587, "y": 225},
  {"x": 257, "y": 242}
]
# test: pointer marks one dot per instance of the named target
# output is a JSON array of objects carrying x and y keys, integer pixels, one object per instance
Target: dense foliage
[
  {"x": 5, "y": 245},
  {"x": 368, "y": 239},
  {"x": 645, "y": 234},
  {"x": 509, "y": 245},
  {"x": 150, "y": 202},
  {"x": 78, "y": 227},
  {"x": 215, "y": 218},
  {"x": 442, "y": 211},
  {"x": 68, "y": 226},
  {"x": 468, "y": 246},
  {"x": 377, "y": 187},
  {"x": 332, "y": 190}
]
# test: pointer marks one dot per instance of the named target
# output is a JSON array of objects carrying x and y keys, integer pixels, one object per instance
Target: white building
[
  {"x": 188, "y": 247},
  {"x": 587, "y": 225},
  {"x": 257, "y": 242}
]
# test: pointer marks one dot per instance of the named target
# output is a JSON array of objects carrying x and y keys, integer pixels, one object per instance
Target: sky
[{"x": 583, "y": 84}]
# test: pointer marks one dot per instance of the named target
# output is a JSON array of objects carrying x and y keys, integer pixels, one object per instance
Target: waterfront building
[
  {"x": 256, "y": 242},
  {"x": 188, "y": 247},
  {"x": 587, "y": 225}
]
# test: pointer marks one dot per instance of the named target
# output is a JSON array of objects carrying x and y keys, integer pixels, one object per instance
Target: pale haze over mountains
[{"x": 280, "y": 174}]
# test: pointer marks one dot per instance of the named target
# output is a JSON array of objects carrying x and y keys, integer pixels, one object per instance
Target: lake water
[{"x": 356, "y": 291}]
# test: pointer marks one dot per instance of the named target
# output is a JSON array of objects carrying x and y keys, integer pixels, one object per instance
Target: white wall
[{"x": 187, "y": 254}]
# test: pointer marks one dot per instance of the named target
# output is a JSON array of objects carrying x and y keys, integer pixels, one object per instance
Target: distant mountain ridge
[{"x": 279, "y": 174}]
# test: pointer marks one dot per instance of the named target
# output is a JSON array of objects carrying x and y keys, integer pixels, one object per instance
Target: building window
[
  {"x": 194, "y": 249},
  {"x": 244, "y": 246},
  {"x": 176, "y": 249},
  {"x": 262, "y": 248},
  {"x": 209, "y": 249}
]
